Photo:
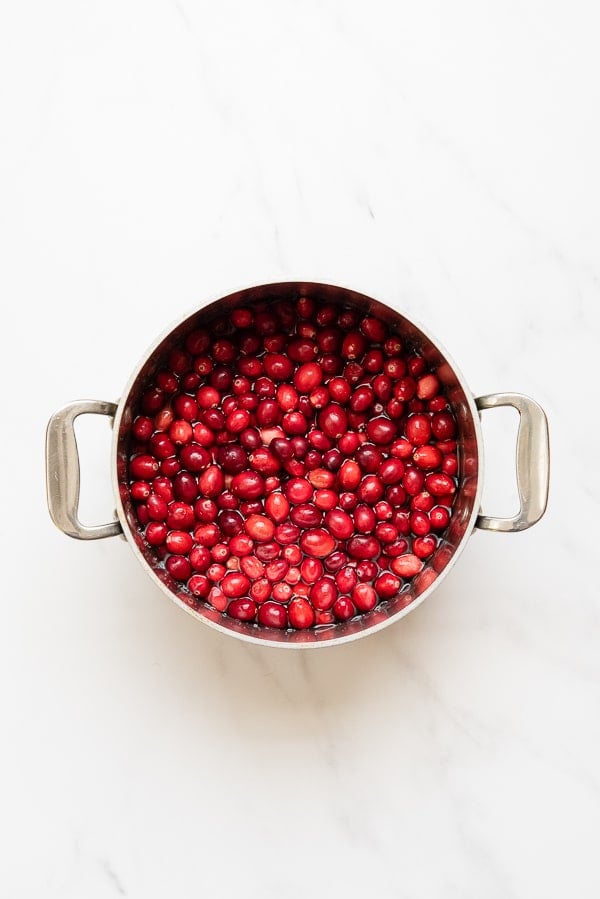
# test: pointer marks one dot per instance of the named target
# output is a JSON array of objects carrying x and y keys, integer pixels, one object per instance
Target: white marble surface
[{"x": 443, "y": 157}]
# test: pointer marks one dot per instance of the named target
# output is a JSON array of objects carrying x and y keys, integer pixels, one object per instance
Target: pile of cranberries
[{"x": 294, "y": 464}]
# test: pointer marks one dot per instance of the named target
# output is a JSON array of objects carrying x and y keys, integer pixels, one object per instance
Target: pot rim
[{"x": 274, "y": 642}]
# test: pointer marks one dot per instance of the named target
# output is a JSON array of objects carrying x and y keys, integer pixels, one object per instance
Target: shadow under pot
[{"x": 297, "y": 464}]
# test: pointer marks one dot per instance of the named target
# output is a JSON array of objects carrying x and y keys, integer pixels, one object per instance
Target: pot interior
[{"x": 466, "y": 503}]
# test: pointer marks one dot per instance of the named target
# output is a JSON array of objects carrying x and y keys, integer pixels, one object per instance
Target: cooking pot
[{"x": 532, "y": 466}]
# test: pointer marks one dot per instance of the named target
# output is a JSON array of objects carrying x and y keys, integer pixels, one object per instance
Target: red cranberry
[
  {"x": 200, "y": 558},
  {"x": 343, "y": 608},
  {"x": 423, "y": 547},
  {"x": 333, "y": 420},
  {"x": 420, "y": 524},
  {"x": 349, "y": 475},
  {"x": 302, "y": 350},
  {"x": 140, "y": 490},
  {"x": 180, "y": 516},
  {"x": 199, "y": 585},
  {"x": 450, "y": 465},
  {"x": 272, "y": 614},
  {"x": 179, "y": 568},
  {"x": 287, "y": 533},
  {"x": 248, "y": 485},
  {"x": 235, "y": 584},
  {"x": 306, "y": 515},
  {"x": 298, "y": 490},
  {"x": 443, "y": 426},
  {"x": 339, "y": 524},
  {"x": 439, "y": 518},
  {"x": 364, "y": 597},
  {"x": 364, "y": 519},
  {"x": 230, "y": 522},
  {"x": 370, "y": 489},
  {"x": 211, "y": 481},
  {"x": 260, "y": 528},
  {"x": 278, "y": 367},
  {"x": 142, "y": 428},
  {"x": 294, "y": 423},
  {"x": 156, "y": 533},
  {"x": 439, "y": 484},
  {"x": 407, "y": 565},
  {"x": 317, "y": 543},
  {"x": 323, "y": 593},
  {"x": 390, "y": 471},
  {"x": 301, "y": 614},
  {"x": 335, "y": 560},
  {"x": 387, "y": 585},
  {"x": 242, "y": 609},
  {"x": 427, "y": 387},
  {"x": 143, "y": 467},
  {"x": 363, "y": 547},
  {"x": 346, "y": 579}
]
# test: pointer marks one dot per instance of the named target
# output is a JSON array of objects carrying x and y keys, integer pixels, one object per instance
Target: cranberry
[
  {"x": 339, "y": 524},
  {"x": 349, "y": 475},
  {"x": 439, "y": 518},
  {"x": 301, "y": 614},
  {"x": 363, "y": 547},
  {"x": 179, "y": 542},
  {"x": 180, "y": 516},
  {"x": 381, "y": 430},
  {"x": 200, "y": 558},
  {"x": 142, "y": 428},
  {"x": 248, "y": 485},
  {"x": 143, "y": 467},
  {"x": 439, "y": 484},
  {"x": 140, "y": 490},
  {"x": 211, "y": 481},
  {"x": 390, "y": 471},
  {"x": 302, "y": 350},
  {"x": 364, "y": 519},
  {"x": 311, "y": 570},
  {"x": 156, "y": 533},
  {"x": 294, "y": 423},
  {"x": 278, "y": 367},
  {"x": 450, "y": 464},
  {"x": 323, "y": 593},
  {"x": 317, "y": 543},
  {"x": 333, "y": 420},
  {"x": 179, "y": 568},
  {"x": 287, "y": 533},
  {"x": 260, "y": 528},
  {"x": 406, "y": 565},
  {"x": 423, "y": 547},
  {"x": 272, "y": 614},
  {"x": 235, "y": 584},
  {"x": 364, "y": 597},
  {"x": 298, "y": 490},
  {"x": 199, "y": 585},
  {"x": 443, "y": 426},
  {"x": 370, "y": 489},
  {"x": 387, "y": 585},
  {"x": 305, "y": 515},
  {"x": 343, "y": 608},
  {"x": 427, "y": 457},
  {"x": 346, "y": 579}
]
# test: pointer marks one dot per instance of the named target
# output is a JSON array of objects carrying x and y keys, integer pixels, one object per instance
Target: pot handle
[
  {"x": 533, "y": 462},
  {"x": 62, "y": 471}
]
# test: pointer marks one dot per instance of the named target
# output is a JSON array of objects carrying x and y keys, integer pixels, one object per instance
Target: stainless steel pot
[{"x": 532, "y": 469}]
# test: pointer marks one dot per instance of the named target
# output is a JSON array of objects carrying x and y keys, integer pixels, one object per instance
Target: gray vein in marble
[
  {"x": 112, "y": 876},
  {"x": 459, "y": 720}
]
